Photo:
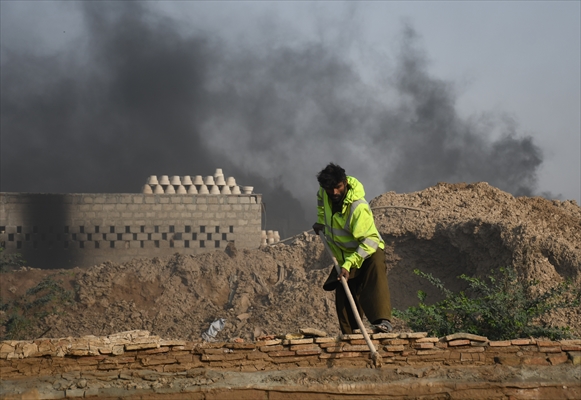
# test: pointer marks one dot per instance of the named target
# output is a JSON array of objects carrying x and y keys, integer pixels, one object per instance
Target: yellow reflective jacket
[{"x": 351, "y": 233}]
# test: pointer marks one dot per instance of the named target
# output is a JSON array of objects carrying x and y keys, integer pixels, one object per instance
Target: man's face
[{"x": 338, "y": 192}]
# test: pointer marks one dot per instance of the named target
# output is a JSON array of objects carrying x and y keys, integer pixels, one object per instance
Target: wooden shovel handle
[{"x": 374, "y": 353}]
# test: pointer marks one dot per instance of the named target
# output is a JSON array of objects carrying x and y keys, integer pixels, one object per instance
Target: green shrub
[
  {"x": 22, "y": 317},
  {"x": 501, "y": 307},
  {"x": 8, "y": 261}
]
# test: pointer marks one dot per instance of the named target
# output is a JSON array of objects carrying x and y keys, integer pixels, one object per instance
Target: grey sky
[{"x": 402, "y": 94}]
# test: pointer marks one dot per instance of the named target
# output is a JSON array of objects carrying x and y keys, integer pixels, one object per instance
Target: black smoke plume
[{"x": 137, "y": 97}]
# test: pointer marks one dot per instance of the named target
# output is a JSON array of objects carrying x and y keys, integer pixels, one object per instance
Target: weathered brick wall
[
  {"x": 139, "y": 350},
  {"x": 84, "y": 366},
  {"x": 68, "y": 230}
]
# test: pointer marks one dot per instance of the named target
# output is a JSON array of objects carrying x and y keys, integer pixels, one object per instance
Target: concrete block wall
[{"x": 68, "y": 230}]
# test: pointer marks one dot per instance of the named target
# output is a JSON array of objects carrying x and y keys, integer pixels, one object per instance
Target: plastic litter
[{"x": 215, "y": 327}]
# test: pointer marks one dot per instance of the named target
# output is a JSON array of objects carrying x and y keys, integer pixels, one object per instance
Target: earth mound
[{"x": 445, "y": 230}]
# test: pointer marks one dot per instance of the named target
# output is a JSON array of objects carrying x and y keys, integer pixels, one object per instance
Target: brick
[
  {"x": 315, "y": 350},
  {"x": 469, "y": 357},
  {"x": 311, "y": 331},
  {"x": 460, "y": 342},
  {"x": 215, "y": 351},
  {"x": 284, "y": 353},
  {"x": 240, "y": 346},
  {"x": 301, "y": 341},
  {"x": 384, "y": 335},
  {"x": 327, "y": 340},
  {"x": 558, "y": 359},
  {"x": 547, "y": 343},
  {"x": 413, "y": 335},
  {"x": 118, "y": 360},
  {"x": 442, "y": 353},
  {"x": 105, "y": 350},
  {"x": 297, "y": 347},
  {"x": 158, "y": 359},
  {"x": 478, "y": 344},
  {"x": 350, "y": 348},
  {"x": 395, "y": 342},
  {"x": 508, "y": 360},
  {"x": 101, "y": 375},
  {"x": 526, "y": 349},
  {"x": 566, "y": 347},
  {"x": 570, "y": 342},
  {"x": 91, "y": 360},
  {"x": 352, "y": 336},
  {"x": 209, "y": 345},
  {"x": 535, "y": 361},
  {"x": 341, "y": 355},
  {"x": 428, "y": 340},
  {"x": 360, "y": 341},
  {"x": 520, "y": 342},
  {"x": 499, "y": 343},
  {"x": 173, "y": 368},
  {"x": 184, "y": 358},
  {"x": 472, "y": 350},
  {"x": 479, "y": 349},
  {"x": 257, "y": 355},
  {"x": 510, "y": 349},
  {"x": 575, "y": 357},
  {"x": 334, "y": 349},
  {"x": 465, "y": 336},
  {"x": 268, "y": 342},
  {"x": 224, "y": 357},
  {"x": 394, "y": 349},
  {"x": 141, "y": 346},
  {"x": 555, "y": 349},
  {"x": 267, "y": 349},
  {"x": 423, "y": 346}
]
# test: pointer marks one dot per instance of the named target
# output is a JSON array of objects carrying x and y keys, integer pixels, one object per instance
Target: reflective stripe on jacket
[{"x": 351, "y": 233}]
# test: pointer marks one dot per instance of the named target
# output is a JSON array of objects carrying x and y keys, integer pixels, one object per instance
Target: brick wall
[
  {"x": 68, "y": 230},
  {"x": 87, "y": 366},
  {"x": 140, "y": 350}
]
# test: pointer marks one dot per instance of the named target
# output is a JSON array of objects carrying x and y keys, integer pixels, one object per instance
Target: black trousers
[{"x": 370, "y": 291}]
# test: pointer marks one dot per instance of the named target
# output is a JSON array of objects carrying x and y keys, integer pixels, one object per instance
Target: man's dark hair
[{"x": 331, "y": 176}]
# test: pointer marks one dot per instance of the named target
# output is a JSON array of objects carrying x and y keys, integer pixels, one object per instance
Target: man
[{"x": 345, "y": 218}]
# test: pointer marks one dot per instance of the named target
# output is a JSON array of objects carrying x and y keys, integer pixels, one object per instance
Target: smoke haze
[{"x": 138, "y": 96}]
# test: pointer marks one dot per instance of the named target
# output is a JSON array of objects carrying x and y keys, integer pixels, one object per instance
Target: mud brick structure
[
  {"x": 68, "y": 230},
  {"x": 135, "y": 364}
]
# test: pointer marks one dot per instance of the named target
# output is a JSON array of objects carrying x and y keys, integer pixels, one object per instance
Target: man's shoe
[{"x": 383, "y": 326}]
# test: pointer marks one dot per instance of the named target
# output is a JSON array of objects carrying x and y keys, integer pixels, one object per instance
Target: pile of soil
[{"x": 446, "y": 230}]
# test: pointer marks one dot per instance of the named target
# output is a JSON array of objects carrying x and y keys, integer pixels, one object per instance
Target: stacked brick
[{"x": 138, "y": 350}]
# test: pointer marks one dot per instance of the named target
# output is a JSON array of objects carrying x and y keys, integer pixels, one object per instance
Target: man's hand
[
  {"x": 344, "y": 273},
  {"x": 318, "y": 228}
]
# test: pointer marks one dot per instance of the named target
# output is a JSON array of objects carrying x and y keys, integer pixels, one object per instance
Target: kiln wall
[{"x": 68, "y": 230}]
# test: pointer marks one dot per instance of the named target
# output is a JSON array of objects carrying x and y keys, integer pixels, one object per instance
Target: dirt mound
[
  {"x": 451, "y": 229},
  {"x": 446, "y": 230}
]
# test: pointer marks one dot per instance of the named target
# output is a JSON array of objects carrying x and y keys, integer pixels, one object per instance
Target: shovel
[{"x": 374, "y": 354}]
